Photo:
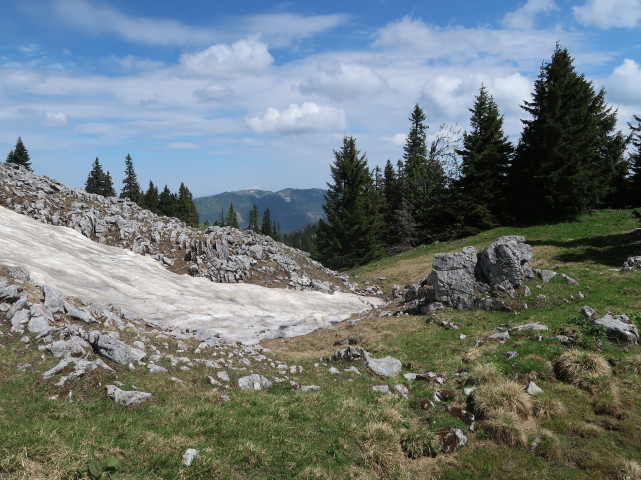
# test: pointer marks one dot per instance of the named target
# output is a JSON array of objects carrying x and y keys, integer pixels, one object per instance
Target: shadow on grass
[{"x": 609, "y": 250}]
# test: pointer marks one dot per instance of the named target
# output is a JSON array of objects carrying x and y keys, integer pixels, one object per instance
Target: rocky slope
[{"x": 220, "y": 254}]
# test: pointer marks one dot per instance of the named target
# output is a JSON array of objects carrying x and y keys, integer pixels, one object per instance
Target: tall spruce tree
[
  {"x": 635, "y": 162},
  {"x": 349, "y": 236},
  {"x": 19, "y": 155},
  {"x": 485, "y": 159},
  {"x": 266, "y": 225},
  {"x": 99, "y": 182},
  {"x": 252, "y": 223},
  {"x": 569, "y": 150},
  {"x": 151, "y": 200},
  {"x": 232, "y": 217},
  {"x": 185, "y": 208},
  {"x": 130, "y": 185},
  {"x": 415, "y": 162},
  {"x": 167, "y": 202}
]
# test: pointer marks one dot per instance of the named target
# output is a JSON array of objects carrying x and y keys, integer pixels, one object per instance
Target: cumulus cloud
[
  {"x": 398, "y": 139},
  {"x": 342, "y": 81},
  {"x": 609, "y": 13},
  {"x": 306, "y": 118},
  {"x": 524, "y": 17},
  {"x": 623, "y": 84},
  {"x": 221, "y": 60}
]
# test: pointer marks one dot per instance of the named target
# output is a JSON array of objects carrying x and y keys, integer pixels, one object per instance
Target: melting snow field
[{"x": 62, "y": 258}]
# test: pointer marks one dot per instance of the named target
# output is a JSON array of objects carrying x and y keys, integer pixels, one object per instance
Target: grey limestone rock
[
  {"x": 381, "y": 388},
  {"x": 505, "y": 263},
  {"x": 533, "y": 389},
  {"x": 189, "y": 456},
  {"x": 114, "y": 349},
  {"x": 78, "y": 314},
  {"x": 545, "y": 275},
  {"x": 529, "y": 326},
  {"x": 619, "y": 327},
  {"x": 73, "y": 347},
  {"x": 11, "y": 293},
  {"x": 387, "y": 366},
  {"x": 54, "y": 299},
  {"x": 254, "y": 382},
  {"x": 126, "y": 398}
]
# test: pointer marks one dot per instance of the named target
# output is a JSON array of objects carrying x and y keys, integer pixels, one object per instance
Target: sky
[{"x": 226, "y": 96}]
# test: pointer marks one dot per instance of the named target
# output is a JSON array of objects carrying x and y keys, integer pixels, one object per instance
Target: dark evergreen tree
[
  {"x": 131, "y": 187},
  {"x": 19, "y": 155},
  {"x": 415, "y": 162},
  {"x": 635, "y": 162},
  {"x": 485, "y": 159},
  {"x": 252, "y": 223},
  {"x": 185, "y": 207},
  {"x": 232, "y": 217},
  {"x": 99, "y": 182},
  {"x": 569, "y": 150},
  {"x": 266, "y": 225},
  {"x": 167, "y": 202},
  {"x": 349, "y": 236},
  {"x": 151, "y": 200}
]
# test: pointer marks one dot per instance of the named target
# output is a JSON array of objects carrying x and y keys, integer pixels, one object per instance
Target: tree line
[
  {"x": 179, "y": 205},
  {"x": 569, "y": 159}
]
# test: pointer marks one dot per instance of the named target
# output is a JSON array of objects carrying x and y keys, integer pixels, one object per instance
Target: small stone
[
  {"x": 156, "y": 368},
  {"x": 352, "y": 369},
  {"x": 381, "y": 388},
  {"x": 126, "y": 398},
  {"x": 387, "y": 367},
  {"x": 254, "y": 382},
  {"x": 308, "y": 388},
  {"x": 533, "y": 389},
  {"x": 334, "y": 371},
  {"x": 223, "y": 375},
  {"x": 499, "y": 337},
  {"x": 189, "y": 456},
  {"x": 409, "y": 376},
  {"x": 402, "y": 390},
  {"x": 511, "y": 355}
]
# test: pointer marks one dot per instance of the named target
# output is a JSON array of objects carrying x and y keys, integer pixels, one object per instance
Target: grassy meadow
[{"x": 585, "y": 425}]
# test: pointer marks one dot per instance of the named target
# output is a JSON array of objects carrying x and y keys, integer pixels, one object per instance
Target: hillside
[
  {"x": 454, "y": 406},
  {"x": 290, "y": 208}
]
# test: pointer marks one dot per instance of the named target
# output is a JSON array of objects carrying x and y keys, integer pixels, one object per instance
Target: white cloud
[
  {"x": 306, "y": 118},
  {"x": 411, "y": 38},
  {"x": 222, "y": 60},
  {"x": 98, "y": 18},
  {"x": 342, "y": 81},
  {"x": 281, "y": 29},
  {"x": 525, "y": 16},
  {"x": 623, "y": 84},
  {"x": 29, "y": 116},
  {"x": 609, "y": 13},
  {"x": 181, "y": 146},
  {"x": 131, "y": 62},
  {"x": 213, "y": 92},
  {"x": 398, "y": 139}
]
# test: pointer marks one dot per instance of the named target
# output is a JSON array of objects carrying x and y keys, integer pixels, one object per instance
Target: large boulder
[
  {"x": 618, "y": 327},
  {"x": 452, "y": 278},
  {"x": 114, "y": 349},
  {"x": 505, "y": 263}
]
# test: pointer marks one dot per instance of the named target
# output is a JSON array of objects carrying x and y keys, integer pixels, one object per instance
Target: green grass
[{"x": 332, "y": 433}]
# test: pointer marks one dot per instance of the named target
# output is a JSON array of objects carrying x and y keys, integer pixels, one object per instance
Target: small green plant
[{"x": 102, "y": 469}]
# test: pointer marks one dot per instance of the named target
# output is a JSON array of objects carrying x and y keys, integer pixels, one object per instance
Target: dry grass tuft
[
  {"x": 505, "y": 428},
  {"x": 629, "y": 470},
  {"x": 607, "y": 401},
  {"x": 420, "y": 441},
  {"x": 484, "y": 373},
  {"x": 501, "y": 396},
  {"x": 546, "y": 407},
  {"x": 576, "y": 365},
  {"x": 635, "y": 363},
  {"x": 381, "y": 450},
  {"x": 472, "y": 355}
]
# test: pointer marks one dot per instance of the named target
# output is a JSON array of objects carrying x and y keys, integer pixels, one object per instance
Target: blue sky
[{"x": 252, "y": 94}]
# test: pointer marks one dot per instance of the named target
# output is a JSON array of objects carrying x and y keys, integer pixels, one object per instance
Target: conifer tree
[
  {"x": 485, "y": 159},
  {"x": 19, "y": 155},
  {"x": 635, "y": 162},
  {"x": 185, "y": 208},
  {"x": 266, "y": 225},
  {"x": 569, "y": 150},
  {"x": 167, "y": 202},
  {"x": 252, "y": 223},
  {"x": 151, "y": 200},
  {"x": 131, "y": 187},
  {"x": 99, "y": 182},
  {"x": 232, "y": 217},
  {"x": 415, "y": 161},
  {"x": 349, "y": 236}
]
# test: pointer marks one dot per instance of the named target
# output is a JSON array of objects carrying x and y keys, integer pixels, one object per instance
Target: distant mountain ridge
[{"x": 291, "y": 208}]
